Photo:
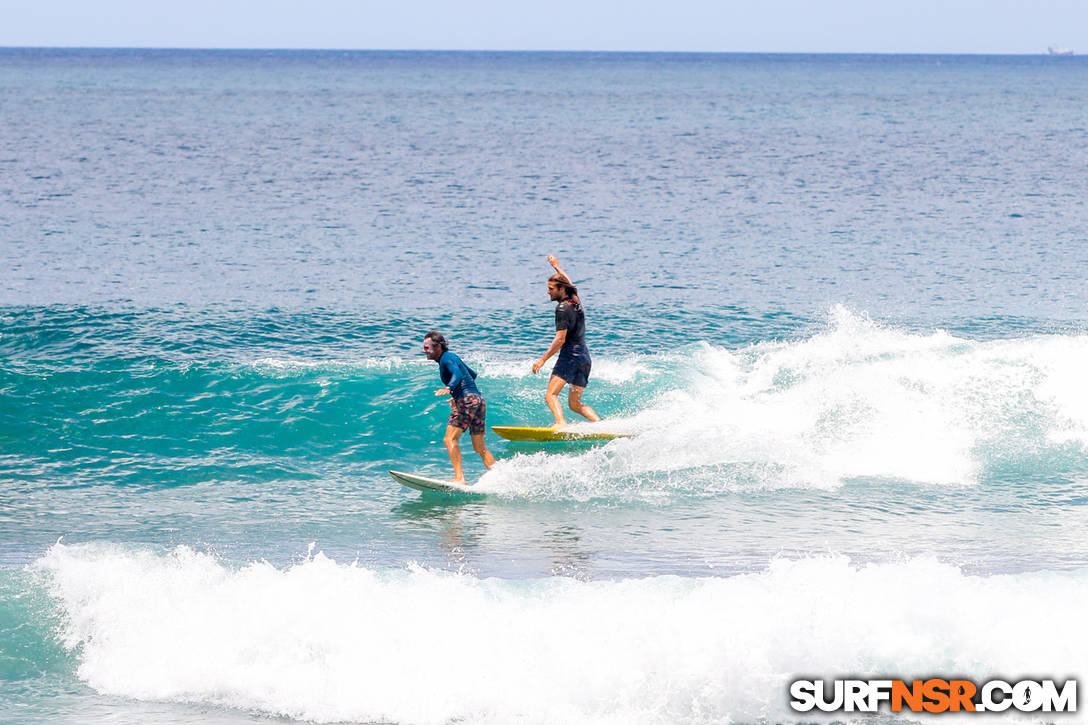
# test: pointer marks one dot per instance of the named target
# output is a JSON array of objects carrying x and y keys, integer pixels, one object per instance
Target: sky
[{"x": 788, "y": 26}]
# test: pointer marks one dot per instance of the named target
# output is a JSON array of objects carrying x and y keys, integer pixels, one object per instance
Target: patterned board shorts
[{"x": 468, "y": 413}]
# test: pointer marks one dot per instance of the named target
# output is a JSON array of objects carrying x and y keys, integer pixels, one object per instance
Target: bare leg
[
  {"x": 479, "y": 447},
  {"x": 453, "y": 447},
  {"x": 574, "y": 399},
  {"x": 552, "y": 397}
]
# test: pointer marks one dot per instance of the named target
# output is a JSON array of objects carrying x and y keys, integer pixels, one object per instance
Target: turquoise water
[{"x": 837, "y": 302}]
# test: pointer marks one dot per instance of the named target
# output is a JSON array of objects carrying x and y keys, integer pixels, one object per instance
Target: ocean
[{"x": 836, "y": 302}]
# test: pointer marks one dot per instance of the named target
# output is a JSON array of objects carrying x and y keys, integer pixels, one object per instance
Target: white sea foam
[
  {"x": 859, "y": 400},
  {"x": 329, "y": 642},
  {"x": 609, "y": 370},
  {"x": 489, "y": 367},
  {"x": 293, "y": 367}
]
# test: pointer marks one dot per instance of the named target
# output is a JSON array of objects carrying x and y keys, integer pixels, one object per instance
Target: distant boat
[{"x": 1059, "y": 51}]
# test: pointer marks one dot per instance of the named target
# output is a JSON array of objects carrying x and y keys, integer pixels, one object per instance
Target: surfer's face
[
  {"x": 430, "y": 349},
  {"x": 554, "y": 291}
]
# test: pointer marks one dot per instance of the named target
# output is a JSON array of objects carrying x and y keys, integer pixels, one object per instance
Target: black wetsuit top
[{"x": 570, "y": 316}]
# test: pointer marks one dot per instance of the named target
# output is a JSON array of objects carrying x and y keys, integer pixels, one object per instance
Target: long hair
[
  {"x": 569, "y": 290},
  {"x": 438, "y": 339}
]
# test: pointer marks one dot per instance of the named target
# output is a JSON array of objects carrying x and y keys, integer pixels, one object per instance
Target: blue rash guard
[{"x": 457, "y": 376}]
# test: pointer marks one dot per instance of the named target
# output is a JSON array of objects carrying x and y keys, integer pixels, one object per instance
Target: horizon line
[{"x": 525, "y": 50}]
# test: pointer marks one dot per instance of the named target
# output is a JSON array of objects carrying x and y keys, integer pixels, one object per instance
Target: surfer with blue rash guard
[
  {"x": 574, "y": 363},
  {"x": 468, "y": 409}
]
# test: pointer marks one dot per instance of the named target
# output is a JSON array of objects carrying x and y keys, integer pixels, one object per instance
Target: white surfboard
[{"x": 432, "y": 485}]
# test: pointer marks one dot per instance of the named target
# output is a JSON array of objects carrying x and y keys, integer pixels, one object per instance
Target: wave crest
[{"x": 329, "y": 642}]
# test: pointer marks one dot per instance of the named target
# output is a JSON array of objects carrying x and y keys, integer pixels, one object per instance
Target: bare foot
[{"x": 460, "y": 481}]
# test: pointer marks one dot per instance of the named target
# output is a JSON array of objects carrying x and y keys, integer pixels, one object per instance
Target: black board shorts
[{"x": 573, "y": 365}]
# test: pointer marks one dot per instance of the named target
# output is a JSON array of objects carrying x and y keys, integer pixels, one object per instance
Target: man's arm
[
  {"x": 560, "y": 338},
  {"x": 555, "y": 264},
  {"x": 448, "y": 367},
  {"x": 455, "y": 377}
]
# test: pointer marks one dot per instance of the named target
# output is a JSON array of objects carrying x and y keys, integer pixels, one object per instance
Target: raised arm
[{"x": 555, "y": 264}]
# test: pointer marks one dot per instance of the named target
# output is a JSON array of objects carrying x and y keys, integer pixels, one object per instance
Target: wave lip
[{"x": 329, "y": 642}]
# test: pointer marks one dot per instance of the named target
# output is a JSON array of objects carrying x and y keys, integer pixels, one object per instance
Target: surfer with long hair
[{"x": 573, "y": 364}]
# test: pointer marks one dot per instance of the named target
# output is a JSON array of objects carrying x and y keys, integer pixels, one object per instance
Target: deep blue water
[{"x": 836, "y": 300}]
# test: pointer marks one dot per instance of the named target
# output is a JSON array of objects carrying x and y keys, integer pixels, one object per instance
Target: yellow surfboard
[{"x": 548, "y": 435}]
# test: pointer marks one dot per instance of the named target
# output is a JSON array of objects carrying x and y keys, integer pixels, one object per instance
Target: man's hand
[
  {"x": 442, "y": 391},
  {"x": 537, "y": 365}
]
